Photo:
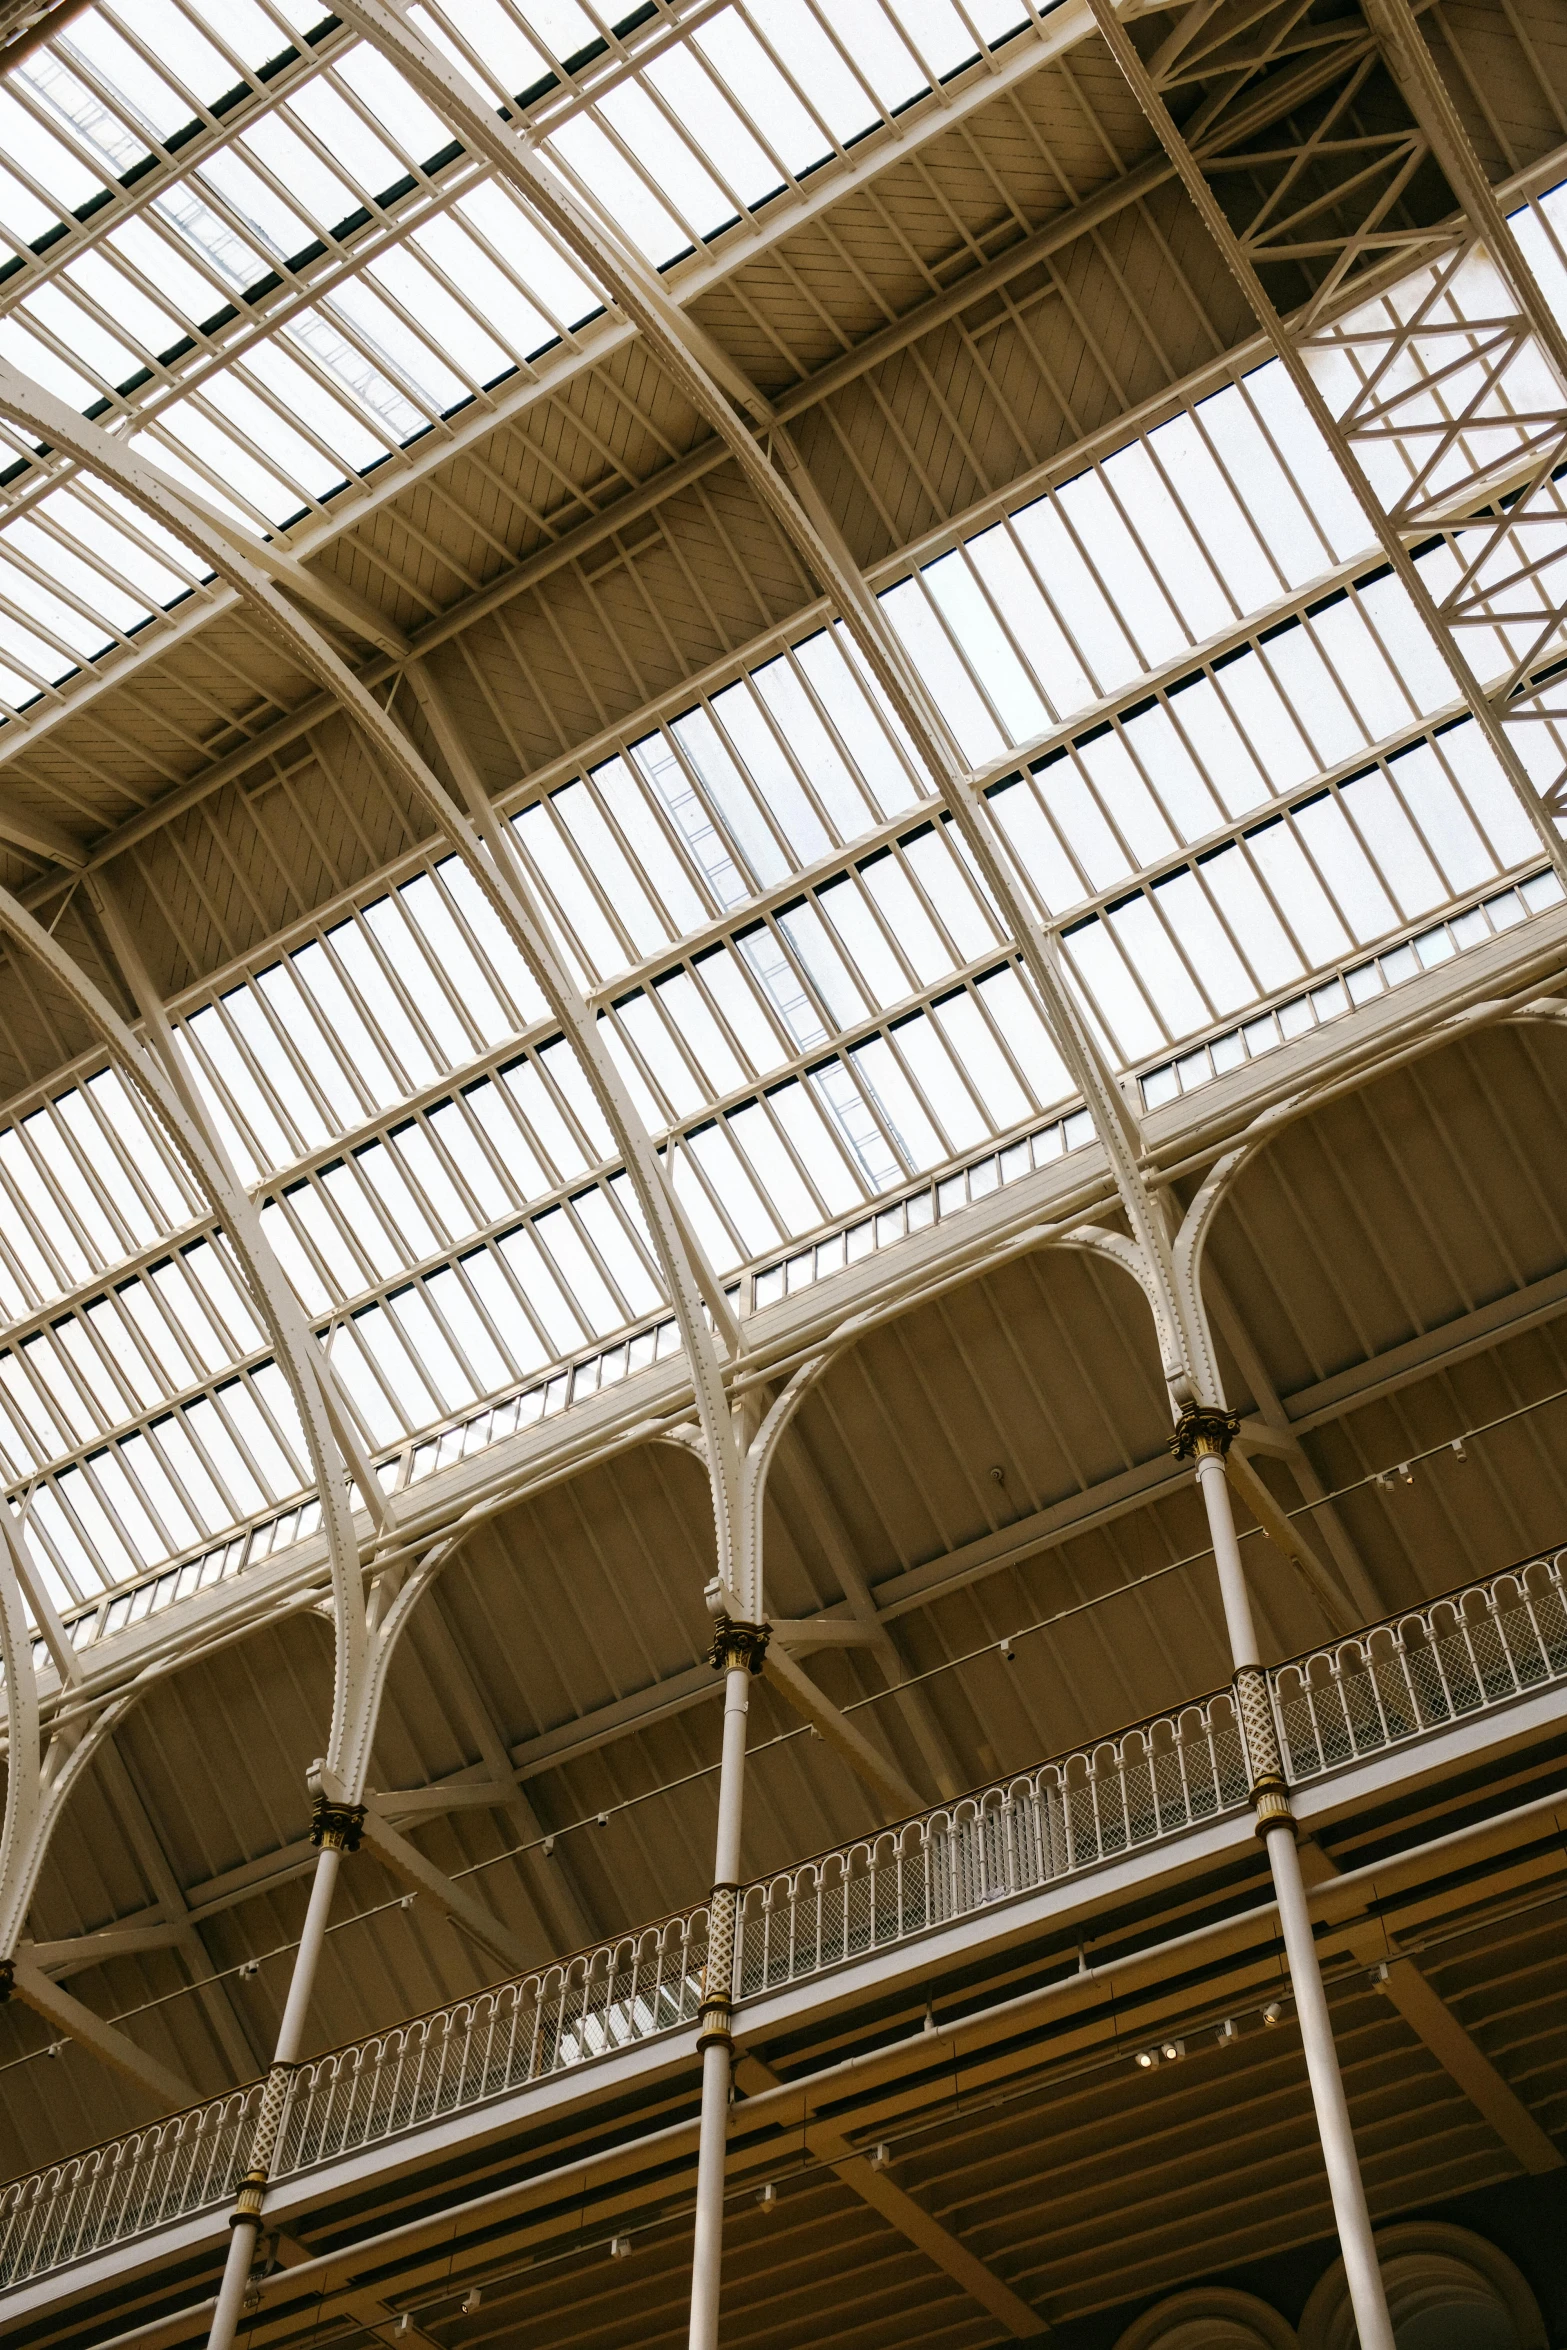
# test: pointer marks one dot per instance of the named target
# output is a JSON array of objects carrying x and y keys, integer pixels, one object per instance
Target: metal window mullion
[
  {"x": 422, "y": 1378},
  {"x": 154, "y": 1516},
  {"x": 53, "y": 1408},
  {"x": 800, "y": 976},
  {"x": 194, "y": 1439},
  {"x": 53, "y": 1190},
  {"x": 594, "y": 1254},
  {"x": 446, "y": 1239},
  {"x": 39, "y": 1537},
  {"x": 926, "y": 901},
  {"x": 481, "y": 1387},
  {"x": 596, "y": 892},
  {"x": 240, "y": 1047},
  {"x": 666, "y": 1108},
  {"x": 395, "y": 1407},
  {"x": 347, "y": 982},
  {"x": 889, "y": 938},
  {"x": 67, "y": 1508},
  {"x": 640, "y": 1247},
  {"x": 449, "y": 1165},
  {"x": 493, "y": 1243},
  {"x": 889, "y": 1038},
  {"x": 1047, "y": 598},
  {"x": 746, "y": 12},
  {"x": 74, "y": 1377},
  {"x": 482, "y": 1314},
  {"x": 679, "y": 1140},
  {"x": 807, "y": 1181},
  {"x": 393, "y": 981},
  {"x": 480, "y": 953},
  {"x": 305, "y": 1241},
  {"x": 1291, "y": 817},
  {"x": 795, "y": 765},
  {"x": 118, "y": 1379},
  {"x": 296, "y": 1059},
  {"x": 220, "y": 487},
  {"x": 236, "y": 1435}
]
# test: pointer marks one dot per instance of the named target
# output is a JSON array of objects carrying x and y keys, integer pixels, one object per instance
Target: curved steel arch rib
[
  {"x": 281, "y": 1317},
  {"x": 718, "y": 390},
  {"x": 485, "y": 851}
]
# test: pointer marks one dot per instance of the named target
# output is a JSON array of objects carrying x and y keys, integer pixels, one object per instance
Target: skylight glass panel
[
  {"x": 37, "y": 356},
  {"x": 756, "y": 80},
  {"x": 486, "y": 41},
  {"x": 627, "y": 194},
  {"x": 733, "y": 150},
  {"x": 82, "y": 135},
  {"x": 110, "y": 63}
]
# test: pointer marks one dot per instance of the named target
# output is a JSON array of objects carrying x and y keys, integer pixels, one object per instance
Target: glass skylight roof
[{"x": 1225, "y": 757}]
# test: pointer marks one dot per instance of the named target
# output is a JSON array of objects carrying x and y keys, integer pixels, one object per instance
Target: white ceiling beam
[
  {"x": 1285, "y": 342},
  {"x": 1429, "y": 2016},
  {"x": 900, "y": 2210},
  {"x": 408, "y": 1863},
  {"x": 551, "y": 1883},
  {"x": 111, "y": 2046},
  {"x": 76, "y": 1952},
  {"x": 866, "y": 1760}
]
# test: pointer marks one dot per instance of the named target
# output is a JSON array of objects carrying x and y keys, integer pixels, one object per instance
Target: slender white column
[
  {"x": 338, "y": 1829},
  {"x": 1209, "y": 1435},
  {"x": 738, "y": 1649}
]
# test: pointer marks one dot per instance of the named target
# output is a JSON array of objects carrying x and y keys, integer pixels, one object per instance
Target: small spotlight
[
  {"x": 767, "y": 2199},
  {"x": 549, "y": 1848},
  {"x": 1273, "y": 2013},
  {"x": 620, "y": 2247},
  {"x": 880, "y": 2157},
  {"x": 1379, "y": 1975},
  {"x": 1005, "y": 1647},
  {"x": 1228, "y": 2033},
  {"x": 1172, "y": 2051},
  {"x": 408, "y": 1901},
  {"x": 473, "y": 2299},
  {"x": 1146, "y": 2059},
  {"x": 400, "y": 2326},
  {"x": 1459, "y": 1454},
  {"x": 603, "y": 1819},
  {"x": 248, "y": 1969}
]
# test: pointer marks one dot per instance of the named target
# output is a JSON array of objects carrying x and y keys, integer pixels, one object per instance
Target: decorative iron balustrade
[{"x": 1459, "y": 1656}]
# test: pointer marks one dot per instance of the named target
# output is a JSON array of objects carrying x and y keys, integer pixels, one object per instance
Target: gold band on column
[
  {"x": 738, "y": 1644},
  {"x": 1203, "y": 1428},
  {"x": 337, "y": 1827}
]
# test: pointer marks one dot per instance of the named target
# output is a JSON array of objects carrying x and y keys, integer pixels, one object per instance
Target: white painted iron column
[
  {"x": 738, "y": 1650},
  {"x": 1207, "y": 1433},
  {"x": 335, "y": 1829}
]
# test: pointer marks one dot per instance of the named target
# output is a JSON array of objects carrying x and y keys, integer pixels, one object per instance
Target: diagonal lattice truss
[{"x": 1438, "y": 381}]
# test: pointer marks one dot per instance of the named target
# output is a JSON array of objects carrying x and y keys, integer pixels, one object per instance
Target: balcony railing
[{"x": 1476, "y": 1650}]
